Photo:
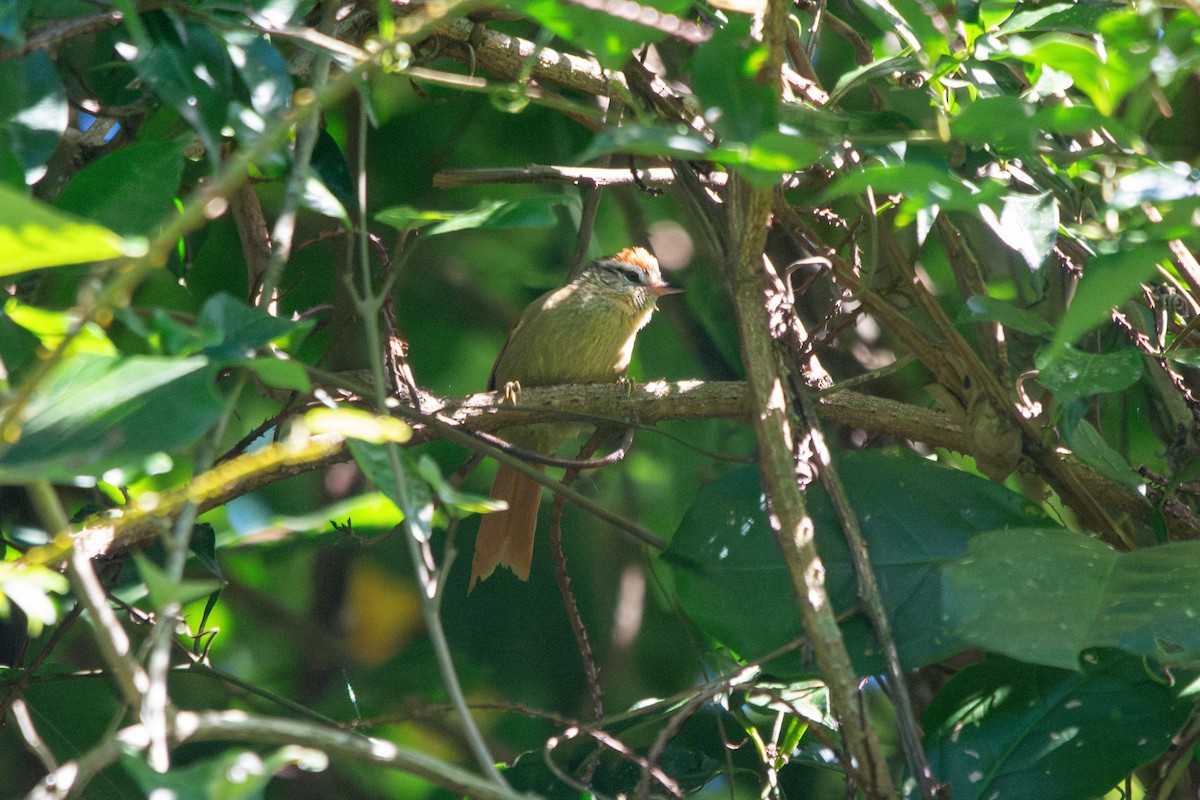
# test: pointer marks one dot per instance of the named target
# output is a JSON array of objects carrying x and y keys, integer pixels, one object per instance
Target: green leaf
[
  {"x": 33, "y": 112},
  {"x": 373, "y": 460},
  {"x": 1108, "y": 281},
  {"x": 239, "y": 329},
  {"x": 130, "y": 190},
  {"x": 1003, "y": 121},
  {"x": 234, "y": 774},
  {"x": 1101, "y": 68},
  {"x": 34, "y": 235},
  {"x": 164, "y": 590},
  {"x": 1004, "y": 730},
  {"x": 1087, "y": 443},
  {"x": 94, "y": 413},
  {"x": 528, "y": 212},
  {"x": 1010, "y": 316},
  {"x": 330, "y": 167},
  {"x": 30, "y": 587},
  {"x": 611, "y": 38},
  {"x": 187, "y": 67},
  {"x": 1073, "y": 373},
  {"x": 263, "y": 86},
  {"x": 51, "y": 327},
  {"x": 453, "y": 499},
  {"x": 915, "y": 515},
  {"x": 1026, "y": 223},
  {"x": 1075, "y": 593},
  {"x": 281, "y": 373},
  {"x": 650, "y": 140},
  {"x": 739, "y": 106}
]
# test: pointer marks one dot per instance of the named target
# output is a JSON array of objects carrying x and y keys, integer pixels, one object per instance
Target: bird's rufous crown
[{"x": 639, "y": 257}]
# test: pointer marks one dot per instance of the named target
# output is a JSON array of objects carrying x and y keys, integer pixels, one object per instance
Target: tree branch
[{"x": 111, "y": 532}]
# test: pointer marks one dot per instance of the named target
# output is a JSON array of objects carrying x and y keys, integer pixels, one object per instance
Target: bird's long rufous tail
[{"x": 506, "y": 537}]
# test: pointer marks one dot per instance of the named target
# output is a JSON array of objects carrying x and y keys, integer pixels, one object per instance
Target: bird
[{"x": 582, "y": 332}]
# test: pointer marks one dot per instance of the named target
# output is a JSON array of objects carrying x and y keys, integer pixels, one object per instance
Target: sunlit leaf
[
  {"x": 354, "y": 423},
  {"x": 34, "y": 235}
]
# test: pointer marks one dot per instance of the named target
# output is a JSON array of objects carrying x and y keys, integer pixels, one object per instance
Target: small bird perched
[{"x": 580, "y": 333}]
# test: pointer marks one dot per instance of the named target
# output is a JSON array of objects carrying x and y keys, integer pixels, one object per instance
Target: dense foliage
[{"x": 259, "y": 255}]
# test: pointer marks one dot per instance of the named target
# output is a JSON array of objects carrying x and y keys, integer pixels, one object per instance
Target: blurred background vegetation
[{"x": 983, "y": 216}]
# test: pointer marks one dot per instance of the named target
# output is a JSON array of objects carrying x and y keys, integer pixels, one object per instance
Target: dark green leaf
[
  {"x": 916, "y": 516},
  {"x": 163, "y": 589},
  {"x": 97, "y": 413},
  {"x": 1010, "y": 316},
  {"x": 1108, "y": 281},
  {"x": 528, "y": 212},
  {"x": 130, "y": 190},
  {"x": 1089, "y": 446},
  {"x": 187, "y": 67},
  {"x": 240, "y": 329},
  {"x": 1004, "y": 730},
  {"x": 741, "y": 107},
  {"x": 264, "y": 87},
  {"x": 33, "y": 112},
  {"x": 329, "y": 164},
  {"x": 1073, "y": 373},
  {"x": 1004, "y": 121}
]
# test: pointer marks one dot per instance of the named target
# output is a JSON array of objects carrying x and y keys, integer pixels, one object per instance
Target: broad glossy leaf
[
  {"x": 34, "y": 235},
  {"x": 915, "y": 515},
  {"x": 330, "y": 167},
  {"x": 95, "y": 413},
  {"x": 1073, "y": 373},
  {"x": 1074, "y": 593},
  {"x": 263, "y": 86},
  {"x": 130, "y": 190},
  {"x": 1003, "y": 120},
  {"x": 1004, "y": 730}
]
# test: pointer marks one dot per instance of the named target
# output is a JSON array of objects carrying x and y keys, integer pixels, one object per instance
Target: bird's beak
[{"x": 660, "y": 289}]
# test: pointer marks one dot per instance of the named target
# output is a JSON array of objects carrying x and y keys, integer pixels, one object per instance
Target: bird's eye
[{"x": 634, "y": 276}]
